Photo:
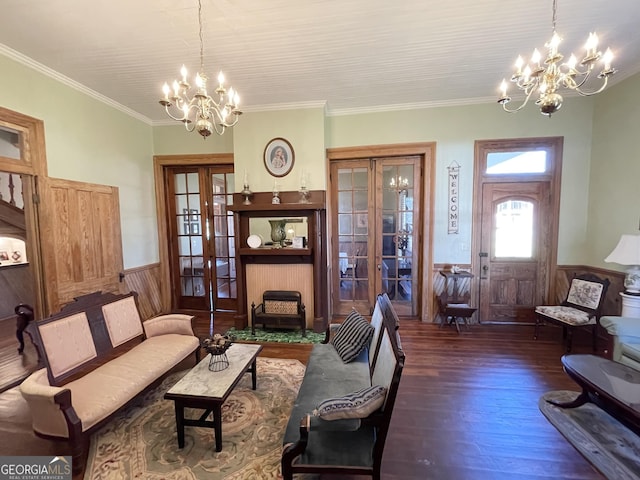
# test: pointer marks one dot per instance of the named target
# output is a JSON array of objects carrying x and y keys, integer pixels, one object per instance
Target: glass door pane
[
  {"x": 397, "y": 249},
  {"x": 190, "y": 251},
  {"x": 221, "y": 235},
  {"x": 353, "y": 227}
]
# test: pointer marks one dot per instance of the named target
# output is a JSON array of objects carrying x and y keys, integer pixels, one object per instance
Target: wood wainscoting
[
  {"x": 564, "y": 273},
  {"x": 146, "y": 281}
]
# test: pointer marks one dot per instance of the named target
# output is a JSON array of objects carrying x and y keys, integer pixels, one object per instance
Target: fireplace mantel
[{"x": 313, "y": 254}]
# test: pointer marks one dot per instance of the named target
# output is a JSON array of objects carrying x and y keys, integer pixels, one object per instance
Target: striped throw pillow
[
  {"x": 352, "y": 337},
  {"x": 358, "y": 404}
]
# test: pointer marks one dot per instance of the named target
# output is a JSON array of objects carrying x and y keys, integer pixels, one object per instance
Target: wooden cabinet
[{"x": 313, "y": 253}]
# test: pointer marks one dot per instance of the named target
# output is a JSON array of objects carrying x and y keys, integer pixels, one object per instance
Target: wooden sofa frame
[{"x": 91, "y": 305}]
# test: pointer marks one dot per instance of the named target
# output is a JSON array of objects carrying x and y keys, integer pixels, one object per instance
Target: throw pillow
[
  {"x": 358, "y": 404},
  {"x": 352, "y": 337}
]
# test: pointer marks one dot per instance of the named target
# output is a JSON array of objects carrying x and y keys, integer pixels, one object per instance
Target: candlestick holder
[
  {"x": 246, "y": 193},
  {"x": 304, "y": 195}
]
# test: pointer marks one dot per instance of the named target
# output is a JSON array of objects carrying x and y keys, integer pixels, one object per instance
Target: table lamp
[{"x": 627, "y": 252}]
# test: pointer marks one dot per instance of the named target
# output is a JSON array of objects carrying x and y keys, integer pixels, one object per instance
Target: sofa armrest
[
  {"x": 170, "y": 323},
  {"x": 43, "y": 398},
  {"x": 621, "y": 326},
  {"x": 622, "y": 330}
]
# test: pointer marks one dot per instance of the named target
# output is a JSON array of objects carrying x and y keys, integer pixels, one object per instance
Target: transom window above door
[{"x": 508, "y": 163}]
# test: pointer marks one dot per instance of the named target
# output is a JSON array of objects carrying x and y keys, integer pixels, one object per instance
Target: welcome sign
[{"x": 453, "y": 211}]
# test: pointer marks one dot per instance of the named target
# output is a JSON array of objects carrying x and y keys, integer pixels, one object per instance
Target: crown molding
[{"x": 49, "y": 72}]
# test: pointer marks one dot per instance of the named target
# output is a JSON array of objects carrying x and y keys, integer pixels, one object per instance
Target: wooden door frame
[
  {"x": 34, "y": 164},
  {"x": 160, "y": 162},
  {"x": 426, "y": 151},
  {"x": 553, "y": 175}
]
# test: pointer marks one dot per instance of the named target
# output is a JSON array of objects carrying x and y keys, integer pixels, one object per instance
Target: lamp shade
[{"x": 627, "y": 252}]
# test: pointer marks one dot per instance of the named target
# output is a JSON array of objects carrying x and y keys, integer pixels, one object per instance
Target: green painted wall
[
  {"x": 455, "y": 129},
  {"x": 89, "y": 141},
  {"x": 614, "y": 189},
  {"x": 176, "y": 140}
]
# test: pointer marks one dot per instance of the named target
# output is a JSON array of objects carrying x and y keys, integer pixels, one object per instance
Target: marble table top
[{"x": 202, "y": 382}]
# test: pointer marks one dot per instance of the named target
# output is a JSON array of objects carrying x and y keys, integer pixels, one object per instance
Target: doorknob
[
  {"x": 379, "y": 267},
  {"x": 485, "y": 268}
]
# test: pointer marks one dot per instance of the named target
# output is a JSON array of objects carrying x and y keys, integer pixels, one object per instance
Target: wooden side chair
[
  {"x": 453, "y": 305},
  {"x": 581, "y": 308}
]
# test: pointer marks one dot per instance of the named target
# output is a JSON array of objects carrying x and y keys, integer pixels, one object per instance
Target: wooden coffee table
[
  {"x": 207, "y": 390},
  {"x": 612, "y": 386}
]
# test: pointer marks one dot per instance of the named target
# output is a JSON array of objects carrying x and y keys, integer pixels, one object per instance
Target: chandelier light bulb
[
  {"x": 546, "y": 75},
  {"x": 183, "y": 72},
  {"x": 592, "y": 44},
  {"x": 221, "y": 79},
  {"x": 503, "y": 88},
  {"x": 553, "y": 44},
  {"x": 535, "y": 57},
  {"x": 607, "y": 58}
]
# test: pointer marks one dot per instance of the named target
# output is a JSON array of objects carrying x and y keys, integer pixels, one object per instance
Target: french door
[
  {"x": 376, "y": 249},
  {"x": 202, "y": 237}
]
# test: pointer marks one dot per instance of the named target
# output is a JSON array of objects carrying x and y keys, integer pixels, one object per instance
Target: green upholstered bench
[{"x": 346, "y": 445}]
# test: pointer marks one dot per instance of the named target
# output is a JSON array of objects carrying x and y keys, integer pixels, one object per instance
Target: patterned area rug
[
  {"x": 141, "y": 442},
  {"x": 275, "y": 335},
  {"x": 610, "y": 446}
]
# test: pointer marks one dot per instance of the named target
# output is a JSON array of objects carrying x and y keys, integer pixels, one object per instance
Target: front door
[
  {"x": 517, "y": 195},
  {"x": 514, "y": 250}
]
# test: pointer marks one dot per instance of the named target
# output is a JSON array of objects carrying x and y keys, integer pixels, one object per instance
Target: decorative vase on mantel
[{"x": 278, "y": 232}]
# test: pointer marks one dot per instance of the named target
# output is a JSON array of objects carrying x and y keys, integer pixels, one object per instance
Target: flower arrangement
[{"x": 216, "y": 345}]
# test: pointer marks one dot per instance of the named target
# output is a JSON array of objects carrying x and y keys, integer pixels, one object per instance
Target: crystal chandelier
[
  {"x": 547, "y": 78},
  {"x": 201, "y": 112}
]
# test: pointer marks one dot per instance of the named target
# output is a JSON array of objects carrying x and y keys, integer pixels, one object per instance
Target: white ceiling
[{"x": 355, "y": 55}]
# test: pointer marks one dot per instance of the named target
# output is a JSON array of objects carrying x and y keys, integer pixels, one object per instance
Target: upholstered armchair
[{"x": 625, "y": 336}]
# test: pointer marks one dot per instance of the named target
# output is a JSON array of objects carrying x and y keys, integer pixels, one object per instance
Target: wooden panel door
[
  {"x": 81, "y": 239},
  {"x": 514, "y": 251}
]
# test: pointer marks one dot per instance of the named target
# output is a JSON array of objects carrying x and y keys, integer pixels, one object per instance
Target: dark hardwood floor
[{"x": 467, "y": 406}]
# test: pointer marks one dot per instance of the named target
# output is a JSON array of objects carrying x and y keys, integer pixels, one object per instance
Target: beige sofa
[{"x": 99, "y": 355}]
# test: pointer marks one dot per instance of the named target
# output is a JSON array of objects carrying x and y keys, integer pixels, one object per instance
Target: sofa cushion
[
  {"x": 353, "y": 336},
  {"x": 358, "y": 404},
  {"x": 326, "y": 376}
]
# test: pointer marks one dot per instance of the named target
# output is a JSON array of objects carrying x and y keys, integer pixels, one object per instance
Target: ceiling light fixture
[
  {"x": 547, "y": 78},
  {"x": 201, "y": 112}
]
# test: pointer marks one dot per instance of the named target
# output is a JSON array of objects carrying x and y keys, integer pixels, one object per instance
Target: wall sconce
[{"x": 627, "y": 252}]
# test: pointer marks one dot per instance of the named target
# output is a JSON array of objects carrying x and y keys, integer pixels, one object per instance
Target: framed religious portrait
[{"x": 278, "y": 157}]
